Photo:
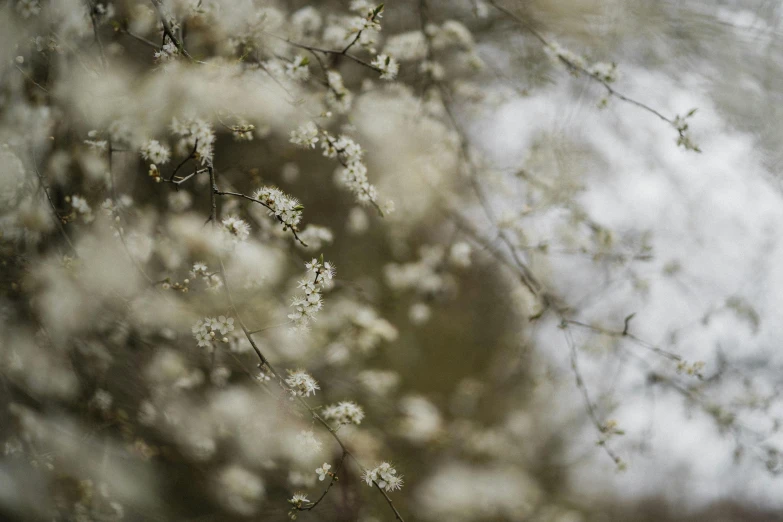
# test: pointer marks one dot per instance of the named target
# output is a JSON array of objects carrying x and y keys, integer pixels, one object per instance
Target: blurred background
[{"x": 645, "y": 387}]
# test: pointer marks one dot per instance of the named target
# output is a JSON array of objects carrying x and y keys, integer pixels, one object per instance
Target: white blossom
[
  {"x": 301, "y": 383},
  {"x": 195, "y": 133},
  {"x": 298, "y": 69},
  {"x": 298, "y": 499},
  {"x": 237, "y": 228},
  {"x": 384, "y": 475},
  {"x": 166, "y": 53},
  {"x": 156, "y": 152},
  {"x": 459, "y": 254},
  {"x": 286, "y": 208},
  {"x": 310, "y": 444},
  {"x": 28, "y": 8},
  {"x": 306, "y": 135},
  {"x": 323, "y": 471},
  {"x": 345, "y": 412},
  {"x": 387, "y": 65}
]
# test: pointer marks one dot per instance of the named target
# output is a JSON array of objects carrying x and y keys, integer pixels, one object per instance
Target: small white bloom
[
  {"x": 323, "y": 471},
  {"x": 345, "y": 412},
  {"x": 237, "y": 228},
  {"x": 156, "y": 152},
  {"x": 305, "y": 136},
  {"x": 384, "y": 475},
  {"x": 388, "y": 66},
  {"x": 298, "y": 69},
  {"x": 301, "y": 383},
  {"x": 308, "y": 441},
  {"x": 298, "y": 499}
]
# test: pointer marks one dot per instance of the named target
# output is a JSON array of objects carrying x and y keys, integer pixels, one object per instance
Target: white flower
[
  {"x": 459, "y": 254},
  {"x": 238, "y": 228},
  {"x": 225, "y": 324},
  {"x": 323, "y": 471},
  {"x": 316, "y": 237},
  {"x": 298, "y": 69},
  {"x": 156, "y": 152},
  {"x": 305, "y": 308},
  {"x": 384, "y": 475},
  {"x": 301, "y": 383},
  {"x": 306, "y": 20},
  {"x": 195, "y": 133},
  {"x": 308, "y": 441},
  {"x": 338, "y": 97},
  {"x": 305, "y": 136},
  {"x": 203, "y": 339},
  {"x": 345, "y": 412},
  {"x": 286, "y": 208},
  {"x": 28, "y": 8},
  {"x": 199, "y": 270},
  {"x": 166, "y": 53},
  {"x": 80, "y": 205},
  {"x": 368, "y": 22},
  {"x": 387, "y": 65},
  {"x": 298, "y": 499},
  {"x": 102, "y": 400}
]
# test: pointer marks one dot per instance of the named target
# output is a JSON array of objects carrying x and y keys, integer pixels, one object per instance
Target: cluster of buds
[{"x": 155, "y": 173}]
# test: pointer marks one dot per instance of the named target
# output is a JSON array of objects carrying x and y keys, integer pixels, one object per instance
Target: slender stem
[
  {"x": 578, "y": 68},
  {"x": 191, "y": 155},
  {"x": 56, "y": 215},
  {"x": 589, "y": 406},
  {"x": 329, "y": 486},
  {"x": 97, "y": 37}
]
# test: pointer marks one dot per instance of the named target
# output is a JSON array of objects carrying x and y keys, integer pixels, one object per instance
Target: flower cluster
[
  {"x": 345, "y": 412},
  {"x": 206, "y": 330},
  {"x": 166, "y": 53},
  {"x": 371, "y": 21},
  {"x": 298, "y": 69},
  {"x": 306, "y": 136},
  {"x": 237, "y": 228},
  {"x": 195, "y": 133},
  {"x": 243, "y": 131},
  {"x": 28, "y": 8},
  {"x": 387, "y": 65},
  {"x": 286, "y": 208},
  {"x": 684, "y": 139},
  {"x": 309, "y": 442},
  {"x": 307, "y": 306},
  {"x": 298, "y": 499},
  {"x": 301, "y": 383},
  {"x": 80, "y": 206},
  {"x": 316, "y": 237},
  {"x": 200, "y": 270},
  {"x": 323, "y": 471},
  {"x": 603, "y": 72},
  {"x": 384, "y": 475},
  {"x": 155, "y": 152},
  {"x": 353, "y": 173},
  {"x": 338, "y": 97}
]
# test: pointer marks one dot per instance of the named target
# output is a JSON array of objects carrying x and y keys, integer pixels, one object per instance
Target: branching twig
[
  {"x": 573, "y": 66},
  {"x": 589, "y": 406},
  {"x": 56, "y": 215},
  {"x": 254, "y": 200}
]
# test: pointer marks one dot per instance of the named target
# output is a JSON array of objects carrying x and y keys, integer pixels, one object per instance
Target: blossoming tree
[{"x": 179, "y": 179}]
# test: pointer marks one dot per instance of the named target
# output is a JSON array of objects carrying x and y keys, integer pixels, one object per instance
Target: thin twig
[
  {"x": 56, "y": 215},
  {"x": 254, "y": 200},
  {"x": 589, "y": 406}
]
